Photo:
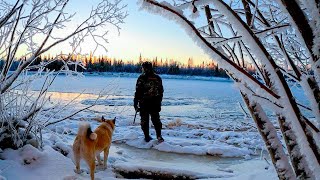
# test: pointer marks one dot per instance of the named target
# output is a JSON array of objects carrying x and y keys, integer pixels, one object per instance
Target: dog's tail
[{"x": 85, "y": 131}]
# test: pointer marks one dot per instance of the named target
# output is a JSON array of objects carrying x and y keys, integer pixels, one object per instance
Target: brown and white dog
[{"x": 88, "y": 145}]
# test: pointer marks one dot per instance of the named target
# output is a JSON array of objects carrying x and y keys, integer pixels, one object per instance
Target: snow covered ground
[{"x": 206, "y": 133}]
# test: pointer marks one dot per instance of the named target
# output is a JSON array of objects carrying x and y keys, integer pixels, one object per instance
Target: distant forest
[{"x": 102, "y": 64}]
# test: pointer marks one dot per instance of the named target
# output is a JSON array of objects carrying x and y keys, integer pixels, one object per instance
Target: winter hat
[{"x": 147, "y": 66}]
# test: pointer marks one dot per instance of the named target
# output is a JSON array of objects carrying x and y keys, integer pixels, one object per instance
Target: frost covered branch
[
  {"x": 28, "y": 30},
  {"x": 265, "y": 37}
]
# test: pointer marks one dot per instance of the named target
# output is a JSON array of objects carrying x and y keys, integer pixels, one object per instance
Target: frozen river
[{"x": 187, "y": 99}]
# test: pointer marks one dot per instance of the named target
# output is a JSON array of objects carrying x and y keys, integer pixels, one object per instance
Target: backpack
[{"x": 152, "y": 87}]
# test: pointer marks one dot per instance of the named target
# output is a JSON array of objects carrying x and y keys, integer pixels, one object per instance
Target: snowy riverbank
[{"x": 206, "y": 134}]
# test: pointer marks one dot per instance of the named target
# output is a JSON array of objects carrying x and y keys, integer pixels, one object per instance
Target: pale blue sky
[{"x": 152, "y": 35}]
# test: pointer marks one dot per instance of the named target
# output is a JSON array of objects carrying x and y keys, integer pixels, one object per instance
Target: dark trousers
[{"x": 155, "y": 118}]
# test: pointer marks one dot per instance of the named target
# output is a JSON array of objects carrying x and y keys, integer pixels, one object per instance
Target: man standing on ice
[{"x": 147, "y": 100}]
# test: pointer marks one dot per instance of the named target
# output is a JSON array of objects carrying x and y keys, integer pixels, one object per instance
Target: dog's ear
[
  {"x": 114, "y": 120},
  {"x": 102, "y": 119}
]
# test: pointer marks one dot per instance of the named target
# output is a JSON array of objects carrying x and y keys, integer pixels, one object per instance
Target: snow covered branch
[
  {"x": 265, "y": 37},
  {"x": 28, "y": 30}
]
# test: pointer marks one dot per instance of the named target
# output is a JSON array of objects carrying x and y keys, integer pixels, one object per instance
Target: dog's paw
[
  {"x": 101, "y": 168},
  {"x": 78, "y": 171},
  {"x": 99, "y": 164}
]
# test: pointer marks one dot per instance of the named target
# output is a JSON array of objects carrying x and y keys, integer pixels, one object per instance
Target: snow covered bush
[
  {"x": 28, "y": 30},
  {"x": 279, "y": 40}
]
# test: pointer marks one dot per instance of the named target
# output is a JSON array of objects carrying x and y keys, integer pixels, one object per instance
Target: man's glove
[{"x": 135, "y": 105}]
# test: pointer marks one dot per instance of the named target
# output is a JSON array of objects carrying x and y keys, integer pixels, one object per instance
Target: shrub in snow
[
  {"x": 35, "y": 28},
  {"x": 279, "y": 41},
  {"x": 175, "y": 123}
]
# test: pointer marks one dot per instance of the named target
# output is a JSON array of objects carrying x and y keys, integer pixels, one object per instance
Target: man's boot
[
  {"x": 160, "y": 139},
  {"x": 158, "y": 132},
  {"x": 147, "y": 137}
]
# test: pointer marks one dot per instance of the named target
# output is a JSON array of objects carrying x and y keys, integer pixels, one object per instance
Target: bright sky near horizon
[{"x": 152, "y": 36}]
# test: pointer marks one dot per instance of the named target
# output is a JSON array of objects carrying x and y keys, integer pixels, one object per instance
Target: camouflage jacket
[{"x": 149, "y": 89}]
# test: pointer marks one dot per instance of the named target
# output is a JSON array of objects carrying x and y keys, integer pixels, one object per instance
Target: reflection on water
[{"x": 71, "y": 96}]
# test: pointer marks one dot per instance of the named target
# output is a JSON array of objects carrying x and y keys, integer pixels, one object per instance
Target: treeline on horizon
[{"x": 114, "y": 65}]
